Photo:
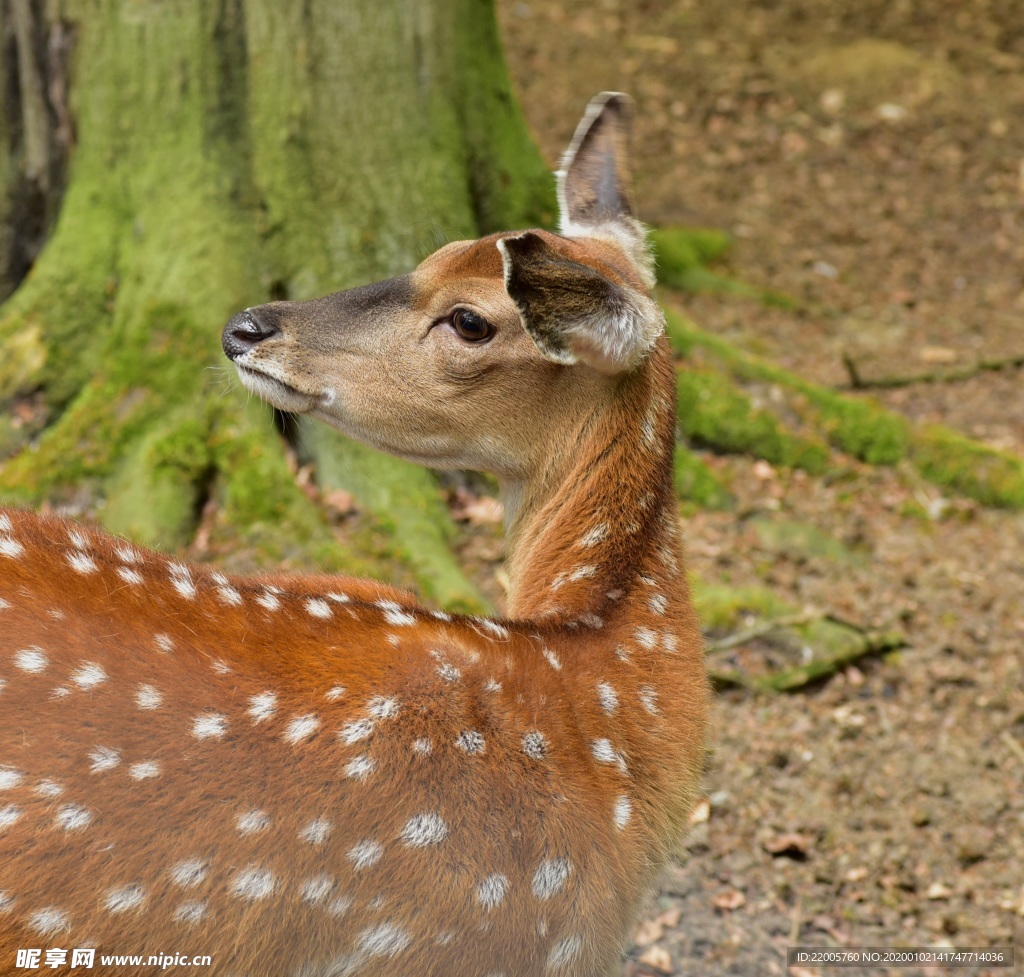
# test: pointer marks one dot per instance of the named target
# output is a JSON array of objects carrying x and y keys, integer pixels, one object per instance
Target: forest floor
[{"x": 869, "y": 164}]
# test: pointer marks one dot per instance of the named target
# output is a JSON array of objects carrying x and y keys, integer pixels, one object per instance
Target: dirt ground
[{"x": 868, "y": 158}]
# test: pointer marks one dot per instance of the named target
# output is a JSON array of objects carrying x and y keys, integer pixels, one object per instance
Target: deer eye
[{"x": 471, "y": 327}]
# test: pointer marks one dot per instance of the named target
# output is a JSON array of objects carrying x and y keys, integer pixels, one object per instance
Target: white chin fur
[{"x": 275, "y": 392}]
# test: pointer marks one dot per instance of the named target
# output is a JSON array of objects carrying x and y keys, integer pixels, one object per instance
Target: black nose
[{"x": 244, "y": 331}]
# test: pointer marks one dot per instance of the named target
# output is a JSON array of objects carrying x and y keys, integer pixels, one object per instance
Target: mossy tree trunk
[{"x": 227, "y": 152}]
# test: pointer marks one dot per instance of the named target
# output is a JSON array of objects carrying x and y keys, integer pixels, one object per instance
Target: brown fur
[{"x": 601, "y": 654}]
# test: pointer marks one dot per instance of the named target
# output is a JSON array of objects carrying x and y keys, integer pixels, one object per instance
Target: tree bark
[{"x": 229, "y": 152}]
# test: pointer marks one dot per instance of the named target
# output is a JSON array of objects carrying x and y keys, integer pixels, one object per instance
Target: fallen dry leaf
[
  {"x": 729, "y": 899},
  {"x": 658, "y": 959},
  {"x": 938, "y": 891},
  {"x": 788, "y": 845},
  {"x": 340, "y": 501},
  {"x": 477, "y": 510}
]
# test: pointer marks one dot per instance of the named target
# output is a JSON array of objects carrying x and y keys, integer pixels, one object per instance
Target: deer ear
[
  {"x": 573, "y": 312},
  {"x": 593, "y": 183},
  {"x": 595, "y": 196}
]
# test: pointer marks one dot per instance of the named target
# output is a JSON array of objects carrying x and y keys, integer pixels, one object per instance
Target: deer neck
[{"x": 598, "y": 521}]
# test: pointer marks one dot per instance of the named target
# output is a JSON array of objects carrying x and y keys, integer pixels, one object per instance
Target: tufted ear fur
[
  {"x": 573, "y": 312},
  {"x": 594, "y": 186}
]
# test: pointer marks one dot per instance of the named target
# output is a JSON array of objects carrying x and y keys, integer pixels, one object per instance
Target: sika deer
[{"x": 317, "y": 775}]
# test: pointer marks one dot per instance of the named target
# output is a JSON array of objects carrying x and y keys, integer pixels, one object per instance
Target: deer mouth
[{"x": 275, "y": 391}]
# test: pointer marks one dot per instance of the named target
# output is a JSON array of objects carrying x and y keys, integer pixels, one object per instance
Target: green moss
[
  {"x": 260, "y": 506},
  {"x": 721, "y": 607},
  {"x": 714, "y": 412},
  {"x": 858, "y": 426},
  {"x": 799, "y": 540},
  {"x": 951, "y": 460},
  {"x": 155, "y": 494},
  {"x": 679, "y": 250},
  {"x": 697, "y": 483}
]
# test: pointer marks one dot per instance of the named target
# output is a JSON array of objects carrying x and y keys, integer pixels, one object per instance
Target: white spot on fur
[
  {"x": 394, "y": 614},
  {"x": 564, "y": 952},
  {"x": 49, "y": 788},
  {"x": 366, "y": 854},
  {"x": 591, "y": 621},
  {"x": 9, "y": 815},
  {"x": 50, "y": 920},
  {"x": 552, "y": 659},
  {"x": 449, "y": 672},
  {"x": 148, "y": 698},
  {"x": 127, "y": 554},
  {"x": 582, "y": 573},
  {"x": 10, "y": 778},
  {"x": 614, "y": 594},
  {"x": 607, "y": 697},
  {"x": 646, "y": 637},
  {"x": 355, "y": 731},
  {"x": 81, "y": 562},
  {"x": 471, "y": 741},
  {"x": 317, "y": 889},
  {"x": 649, "y": 699},
  {"x": 268, "y": 601},
  {"x": 77, "y": 539},
  {"x": 382, "y": 708},
  {"x": 300, "y": 728},
  {"x": 88, "y": 675},
  {"x": 124, "y": 898},
  {"x": 253, "y": 883},
  {"x": 6, "y": 903},
  {"x": 361, "y": 767},
  {"x": 622, "y": 653},
  {"x": 550, "y": 877},
  {"x": 189, "y": 873},
  {"x": 496, "y": 629},
  {"x": 31, "y": 660},
  {"x": 623, "y": 811},
  {"x": 340, "y": 906},
  {"x": 71, "y": 817},
  {"x": 535, "y": 745},
  {"x": 129, "y": 576},
  {"x": 262, "y": 706},
  {"x": 104, "y": 758},
  {"x": 385, "y": 940},
  {"x": 424, "y": 830},
  {"x": 181, "y": 580},
  {"x": 10, "y": 547},
  {"x": 318, "y": 608},
  {"x": 657, "y": 603},
  {"x": 332, "y": 695},
  {"x": 229, "y": 595},
  {"x": 144, "y": 771},
  {"x": 209, "y": 726},
  {"x": 492, "y": 685},
  {"x": 650, "y": 428},
  {"x": 5, "y": 524},
  {"x": 339, "y": 598},
  {"x": 164, "y": 642},
  {"x": 491, "y": 892},
  {"x": 190, "y": 912},
  {"x": 316, "y": 832},
  {"x": 670, "y": 642},
  {"x": 252, "y": 822},
  {"x": 422, "y": 746},
  {"x": 594, "y": 536},
  {"x": 603, "y": 751}
]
